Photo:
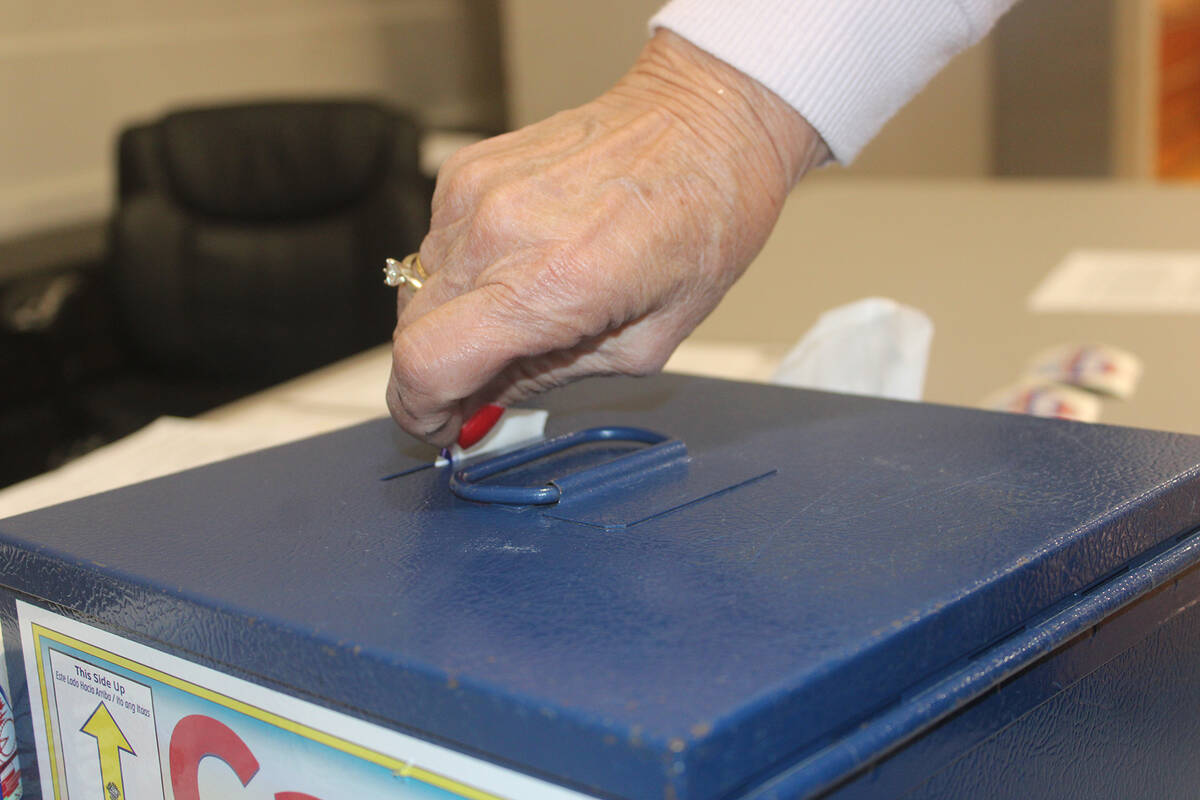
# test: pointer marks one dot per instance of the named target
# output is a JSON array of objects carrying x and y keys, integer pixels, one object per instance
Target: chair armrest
[{"x": 56, "y": 330}]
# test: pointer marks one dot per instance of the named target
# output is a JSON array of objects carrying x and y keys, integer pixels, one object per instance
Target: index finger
[{"x": 453, "y": 350}]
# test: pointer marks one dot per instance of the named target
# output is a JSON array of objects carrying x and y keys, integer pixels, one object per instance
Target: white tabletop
[{"x": 969, "y": 254}]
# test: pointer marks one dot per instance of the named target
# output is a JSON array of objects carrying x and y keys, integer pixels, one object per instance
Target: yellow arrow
[{"x": 110, "y": 741}]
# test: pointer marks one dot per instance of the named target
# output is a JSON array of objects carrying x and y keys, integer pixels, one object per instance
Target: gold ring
[{"x": 410, "y": 272}]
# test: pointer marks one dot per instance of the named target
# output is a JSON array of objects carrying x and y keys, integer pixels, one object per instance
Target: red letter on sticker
[{"x": 196, "y": 737}]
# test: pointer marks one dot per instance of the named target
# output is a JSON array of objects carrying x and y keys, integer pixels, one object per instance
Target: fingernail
[{"x": 479, "y": 424}]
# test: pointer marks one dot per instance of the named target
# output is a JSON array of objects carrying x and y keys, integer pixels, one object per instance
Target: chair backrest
[{"x": 248, "y": 239}]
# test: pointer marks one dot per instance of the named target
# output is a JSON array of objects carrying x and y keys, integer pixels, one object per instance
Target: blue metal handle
[{"x": 465, "y": 482}]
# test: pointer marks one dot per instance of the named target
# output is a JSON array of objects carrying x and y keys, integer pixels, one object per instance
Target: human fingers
[
  {"x": 587, "y": 244},
  {"x": 447, "y": 355}
]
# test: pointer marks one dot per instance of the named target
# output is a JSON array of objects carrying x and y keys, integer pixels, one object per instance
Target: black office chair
[
  {"x": 246, "y": 248},
  {"x": 248, "y": 240}
]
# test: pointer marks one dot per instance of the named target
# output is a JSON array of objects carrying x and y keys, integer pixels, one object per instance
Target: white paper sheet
[{"x": 1122, "y": 281}]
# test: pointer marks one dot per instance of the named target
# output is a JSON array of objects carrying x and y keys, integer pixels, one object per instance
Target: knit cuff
[{"x": 846, "y": 65}]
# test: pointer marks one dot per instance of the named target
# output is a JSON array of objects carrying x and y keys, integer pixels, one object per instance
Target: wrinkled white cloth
[
  {"x": 846, "y": 65},
  {"x": 874, "y": 347}
]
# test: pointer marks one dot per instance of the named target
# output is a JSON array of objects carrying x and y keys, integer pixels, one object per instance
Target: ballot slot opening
[{"x": 586, "y": 461}]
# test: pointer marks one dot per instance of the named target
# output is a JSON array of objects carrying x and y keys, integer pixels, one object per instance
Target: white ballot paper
[{"x": 517, "y": 426}]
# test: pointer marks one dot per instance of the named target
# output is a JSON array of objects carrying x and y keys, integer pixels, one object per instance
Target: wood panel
[{"x": 1179, "y": 92}]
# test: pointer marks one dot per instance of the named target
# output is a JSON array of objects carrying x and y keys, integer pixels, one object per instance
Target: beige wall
[
  {"x": 560, "y": 54},
  {"x": 72, "y": 73},
  {"x": 1053, "y": 91}
]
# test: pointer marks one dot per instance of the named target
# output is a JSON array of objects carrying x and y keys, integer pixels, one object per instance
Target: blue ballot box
[{"x": 772, "y": 594}]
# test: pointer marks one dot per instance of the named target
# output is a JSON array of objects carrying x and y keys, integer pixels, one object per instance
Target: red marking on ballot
[{"x": 479, "y": 424}]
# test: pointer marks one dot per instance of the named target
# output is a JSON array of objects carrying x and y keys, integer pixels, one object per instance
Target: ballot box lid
[{"x": 684, "y": 633}]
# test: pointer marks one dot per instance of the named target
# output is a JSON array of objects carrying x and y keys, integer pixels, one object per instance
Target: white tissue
[{"x": 873, "y": 346}]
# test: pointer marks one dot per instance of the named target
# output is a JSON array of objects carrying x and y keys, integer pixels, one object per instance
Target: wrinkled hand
[{"x": 595, "y": 241}]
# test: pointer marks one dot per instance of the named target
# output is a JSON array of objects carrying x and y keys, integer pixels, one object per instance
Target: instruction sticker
[
  {"x": 105, "y": 714},
  {"x": 116, "y": 719}
]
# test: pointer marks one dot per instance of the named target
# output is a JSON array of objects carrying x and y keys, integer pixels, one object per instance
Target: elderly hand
[{"x": 592, "y": 242}]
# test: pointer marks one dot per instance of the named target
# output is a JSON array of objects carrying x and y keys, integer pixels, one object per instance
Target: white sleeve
[{"x": 846, "y": 65}]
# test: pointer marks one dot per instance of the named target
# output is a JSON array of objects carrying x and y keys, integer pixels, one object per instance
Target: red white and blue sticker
[
  {"x": 10, "y": 765},
  {"x": 11, "y": 787},
  {"x": 1098, "y": 368},
  {"x": 115, "y": 719},
  {"x": 1041, "y": 399}
]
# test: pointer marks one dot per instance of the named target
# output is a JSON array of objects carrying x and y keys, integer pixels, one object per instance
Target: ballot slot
[
  {"x": 612, "y": 478},
  {"x": 584, "y": 462}
]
